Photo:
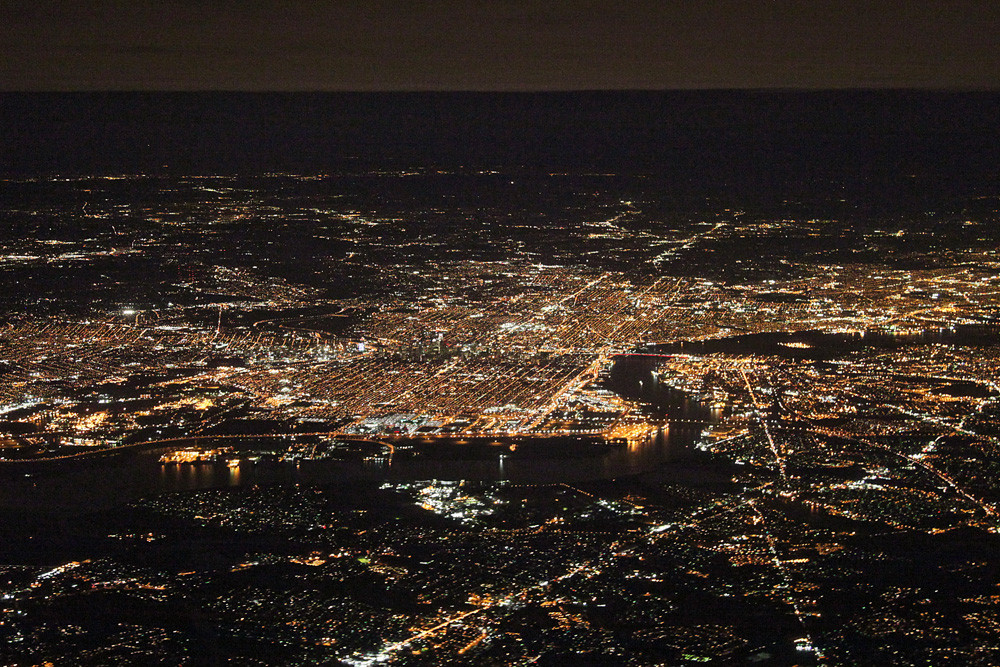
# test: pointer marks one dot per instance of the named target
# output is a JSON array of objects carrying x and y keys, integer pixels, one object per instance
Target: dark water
[{"x": 142, "y": 475}]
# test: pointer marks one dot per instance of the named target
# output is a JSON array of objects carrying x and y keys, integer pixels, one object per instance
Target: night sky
[{"x": 364, "y": 45}]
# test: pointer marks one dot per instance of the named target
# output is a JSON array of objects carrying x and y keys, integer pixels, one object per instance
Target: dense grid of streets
[{"x": 489, "y": 348}]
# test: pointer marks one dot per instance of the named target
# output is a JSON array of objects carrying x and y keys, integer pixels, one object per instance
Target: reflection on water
[
  {"x": 198, "y": 476},
  {"x": 667, "y": 443}
]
